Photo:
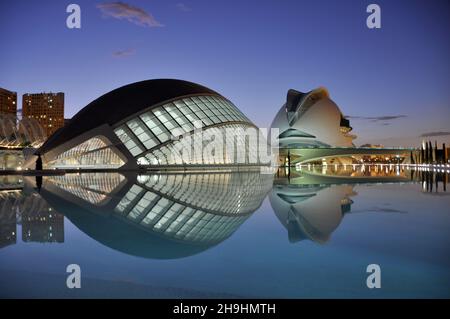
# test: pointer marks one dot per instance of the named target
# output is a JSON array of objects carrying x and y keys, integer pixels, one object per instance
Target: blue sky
[{"x": 252, "y": 52}]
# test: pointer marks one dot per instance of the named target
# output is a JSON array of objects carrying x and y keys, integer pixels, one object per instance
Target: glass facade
[
  {"x": 172, "y": 154},
  {"x": 91, "y": 153},
  {"x": 154, "y": 136}
]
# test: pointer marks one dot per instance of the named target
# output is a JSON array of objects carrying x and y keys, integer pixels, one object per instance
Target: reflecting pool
[{"x": 304, "y": 233}]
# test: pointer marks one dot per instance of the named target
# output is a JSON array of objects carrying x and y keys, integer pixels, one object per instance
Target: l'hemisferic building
[{"x": 146, "y": 124}]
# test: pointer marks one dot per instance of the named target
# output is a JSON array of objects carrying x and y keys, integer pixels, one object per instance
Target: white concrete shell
[{"x": 312, "y": 120}]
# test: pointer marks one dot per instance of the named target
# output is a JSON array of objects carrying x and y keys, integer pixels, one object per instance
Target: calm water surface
[{"x": 222, "y": 234}]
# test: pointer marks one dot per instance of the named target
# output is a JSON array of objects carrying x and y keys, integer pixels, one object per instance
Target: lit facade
[
  {"x": 150, "y": 123},
  {"x": 16, "y": 133},
  {"x": 8, "y": 102},
  {"x": 46, "y": 108}
]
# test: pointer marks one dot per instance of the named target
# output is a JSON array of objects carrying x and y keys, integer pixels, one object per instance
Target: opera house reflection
[
  {"x": 161, "y": 216},
  {"x": 311, "y": 211},
  {"x": 311, "y": 202}
]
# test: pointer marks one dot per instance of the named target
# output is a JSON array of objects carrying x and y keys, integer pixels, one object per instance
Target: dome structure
[
  {"x": 311, "y": 120},
  {"x": 144, "y": 124}
]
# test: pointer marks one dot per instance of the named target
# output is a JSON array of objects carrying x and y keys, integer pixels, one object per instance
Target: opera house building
[
  {"x": 312, "y": 120},
  {"x": 147, "y": 124},
  {"x": 313, "y": 130}
]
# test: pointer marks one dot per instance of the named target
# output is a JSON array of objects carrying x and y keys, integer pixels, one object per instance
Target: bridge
[{"x": 305, "y": 155}]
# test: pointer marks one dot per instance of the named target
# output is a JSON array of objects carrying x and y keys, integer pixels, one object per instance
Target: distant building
[
  {"x": 8, "y": 102},
  {"x": 46, "y": 108},
  {"x": 372, "y": 146}
]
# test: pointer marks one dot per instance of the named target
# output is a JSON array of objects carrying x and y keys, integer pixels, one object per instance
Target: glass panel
[
  {"x": 142, "y": 133},
  {"x": 129, "y": 140}
]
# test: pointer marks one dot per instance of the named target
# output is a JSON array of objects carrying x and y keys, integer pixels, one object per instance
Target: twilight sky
[{"x": 393, "y": 82}]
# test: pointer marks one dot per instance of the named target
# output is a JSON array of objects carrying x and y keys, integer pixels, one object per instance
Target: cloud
[
  {"x": 377, "y": 209},
  {"x": 376, "y": 118},
  {"x": 124, "y": 53},
  {"x": 386, "y": 210},
  {"x": 182, "y": 7},
  {"x": 120, "y": 10},
  {"x": 438, "y": 133}
]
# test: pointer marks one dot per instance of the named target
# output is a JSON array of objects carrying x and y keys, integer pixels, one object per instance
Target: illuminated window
[{"x": 91, "y": 153}]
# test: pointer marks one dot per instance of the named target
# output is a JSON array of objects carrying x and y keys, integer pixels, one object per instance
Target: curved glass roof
[
  {"x": 121, "y": 103},
  {"x": 151, "y": 133}
]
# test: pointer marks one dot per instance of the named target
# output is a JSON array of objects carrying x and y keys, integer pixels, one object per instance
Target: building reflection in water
[
  {"x": 168, "y": 215},
  {"x": 432, "y": 181},
  {"x": 310, "y": 211},
  {"x": 311, "y": 203},
  {"x": 42, "y": 225},
  {"x": 172, "y": 215},
  {"x": 8, "y": 229},
  {"x": 40, "y": 222},
  {"x": 357, "y": 170}
]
